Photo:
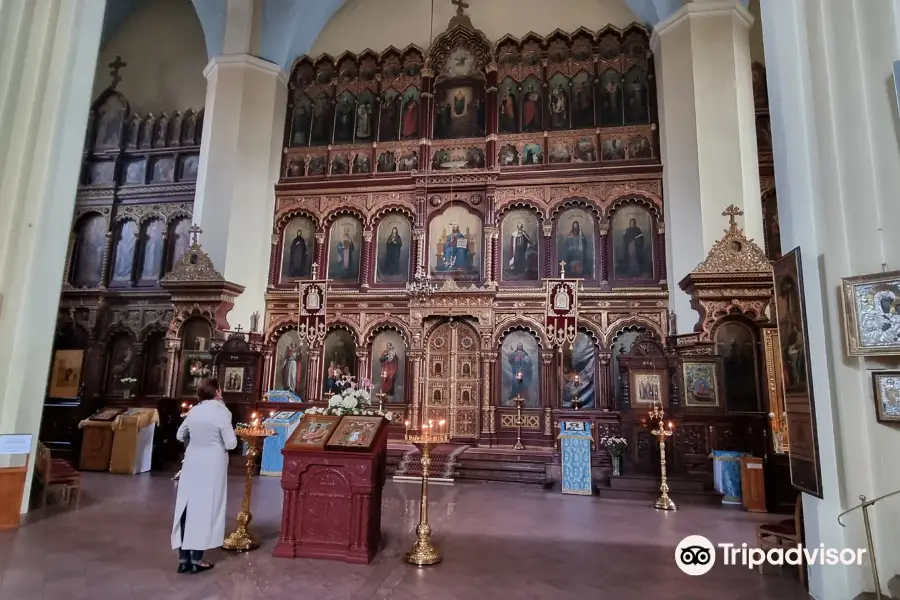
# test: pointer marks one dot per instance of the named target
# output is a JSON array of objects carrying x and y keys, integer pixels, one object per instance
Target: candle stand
[
  {"x": 423, "y": 552},
  {"x": 520, "y": 421},
  {"x": 241, "y": 539},
  {"x": 662, "y": 433}
]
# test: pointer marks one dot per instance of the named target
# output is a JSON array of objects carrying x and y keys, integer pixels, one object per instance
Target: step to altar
[{"x": 645, "y": 488}]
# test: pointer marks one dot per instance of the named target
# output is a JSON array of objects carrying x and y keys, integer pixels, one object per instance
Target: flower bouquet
[
  {"x": 616, "y": 446},
  {"x": 129, "y": 383},
  {"x": 352, "y": 400}
]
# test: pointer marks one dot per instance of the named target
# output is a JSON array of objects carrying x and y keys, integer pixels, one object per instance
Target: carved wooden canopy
[{"x": 735, "y": 278}]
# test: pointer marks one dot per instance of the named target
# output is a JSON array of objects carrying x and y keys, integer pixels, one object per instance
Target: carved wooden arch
[
  {"x": 461, "y": 35},
  {"x": 445, "y": 202},
  {"x": 635, "y": 199},
  {"x": 716, "y": 312},
  {"x": 529, "y": 324},
  {"x": 591, "y": 203},
  {"x": 647, "y": 345},
  {"x": 149, "y": 329},
  {"x": 390, "y": 323},
  {"x": 178, "y": 215},
  {"x": 185, "y": 315},
  {"x": 432, "y": 322},
  {"x": 520, "y": 204},
  {"x": 735, "y": 317},
  {"x": 344, "y": 211},
  {"x": 288, "y": 214},
  {"x": 119, "y": 220},
  {"x": 593, "y": 332},
  {"x": 117, "y": 329},
  {"x": 278, "y": 328},
  {"x": 336, "y": 323},
  {"x": 631, "y": 323},
  {"x": 392, "y": 209}
]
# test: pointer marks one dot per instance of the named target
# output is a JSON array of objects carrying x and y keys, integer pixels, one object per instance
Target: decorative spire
[
  {"x": 114, "y": 68},
  {"x": 195, "y": 232},
  {"x": 731, "y": 212},
  {"x": 734, "y": 253},
  {"x": 460, "y": 7}
]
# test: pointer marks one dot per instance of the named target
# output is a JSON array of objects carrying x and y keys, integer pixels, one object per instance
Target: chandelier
[{"x": 421, "y": 286}]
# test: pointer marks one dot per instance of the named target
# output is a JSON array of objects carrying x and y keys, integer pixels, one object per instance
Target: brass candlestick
[
  {"x": 520, "y": 420},
  {"x": 662, "y": 433},
  {"x": 241, "y": 539},
  {"x": 423, "y": 551}
]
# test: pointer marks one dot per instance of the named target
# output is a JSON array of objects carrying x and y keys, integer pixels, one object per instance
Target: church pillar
[
  {"x": 49, "y": 52},
  {"x": 549, "y": 380},
  {"x": 604, "y": 253},
  {"x": 314, "y": 377},
  {"x": 707, "y": 133},
  {"x": 240, "y": 159},
  {"x": 838, "y": 171},
  {"x": 362, "y": 364},
  {"x": 319, "y": 255},
  {"x": 367, "y": 259},
  {"x": 547, "y": 241},
  {"x": 604, "y": 387}
]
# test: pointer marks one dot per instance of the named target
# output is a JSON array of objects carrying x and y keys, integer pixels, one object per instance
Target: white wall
[
  {"x": 837, "y": 161},
  {"x": 162, "y": 42},
  {"x": 377, "y": 24}
]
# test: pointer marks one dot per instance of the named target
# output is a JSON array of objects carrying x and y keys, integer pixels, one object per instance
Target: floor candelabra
[
  {"x": 520, "y": 420},
  {"x": 423, "y": 551},
  {"x": 241, "y": 539},
  {"x": 662, "y": 433}
]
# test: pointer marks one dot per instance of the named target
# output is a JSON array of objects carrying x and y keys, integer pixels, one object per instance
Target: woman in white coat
[{"x": 200, "y": 505}]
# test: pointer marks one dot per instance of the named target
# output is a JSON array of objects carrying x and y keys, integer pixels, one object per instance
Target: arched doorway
[{"x": 452, "y": 378}]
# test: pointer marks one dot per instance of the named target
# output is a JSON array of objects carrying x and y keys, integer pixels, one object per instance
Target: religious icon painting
[
  {"x": 736, "y": 343},
  {"x": 388, "y": 367},
  {"x": 800, "y": 406},
  {"x": 460, "y": 110},
  {"x": 637, "y": 101},
  {"x": 313, "y": 432},
  {"x": 520, "y": 356},
  {"x": 532, "y": 105},
  {"x": 301, "y": 121},
  {"x": 234, "y": 380},
  {"x": 508, "y": 120},
  {"x": 701, "y": 383},
  {"x": 871, "y": 306},
  {"x": 364, "y": 127},
  {"x": 583, "y": 100},
  {"x": 345, "y": 112},
  {"x": 339, "y": 358},
  {"x": 344, "y": 249},
  {"x": 519, "y": 232},
  {"x": 410, "y": 107},
  {"x": 392, "y": 254},
  {"x": 508, "y": 156},
  {"x": 355, "y": 433},
  {"x": 887, "y": 396},
  {"x": 584, "y": 150},
  {"x": 632, "y": 243},
  {"x": 647, "y": 388},
  {"x": 322, "y": 120},
  {"x": 123, "y": 256},
  {"x": 90, "y": 245},
  {"x": 298, "y": 242},
  {"x": 575, "y": 231},
  {"x": 559, "y": 106},
  {"x": 610, "y": 99},
  {"x": 455, "y": 241},
  {"x": 579, "y": 365},
  {"x": 291, "y": 364},
  {"x": 387, "y": 162},
  {"x": 532, "y": 154},
  {"x": 613, "y": 149},
  {"x": 194, "y": 367},
  {"x": 65, "y": 377},
  {"x": 152, "y": 250},
  {"x": 389, "y": 116}
]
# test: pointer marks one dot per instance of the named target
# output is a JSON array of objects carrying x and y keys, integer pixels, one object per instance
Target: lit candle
[
  {"x": 441, "y": 425},
  {"x": 384, "y": 375},
  {"x": 670, "y": 425},
  {"x": 271, "y": 413}
]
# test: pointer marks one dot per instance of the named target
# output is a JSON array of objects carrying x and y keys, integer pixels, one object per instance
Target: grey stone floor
[{"x": 500, "y": 541}]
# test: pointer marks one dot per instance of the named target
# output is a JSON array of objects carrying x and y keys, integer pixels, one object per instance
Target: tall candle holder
[
  {"x": 241, "y": 539},
  {"x": 423, "y": 551},
  {"x": 520, "y": 421},
  {"x": 576, "y": 403},
  {"x": 381, "y": 395},
  {"x": 662, "y": 433}
]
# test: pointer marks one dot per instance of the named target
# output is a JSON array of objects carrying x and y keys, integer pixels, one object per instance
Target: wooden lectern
[
  {"x": 753, "y": 484},
  {"x": 332, "y": 502}
]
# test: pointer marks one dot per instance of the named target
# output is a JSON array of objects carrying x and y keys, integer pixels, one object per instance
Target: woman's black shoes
[{"x": 184, "y": 567}]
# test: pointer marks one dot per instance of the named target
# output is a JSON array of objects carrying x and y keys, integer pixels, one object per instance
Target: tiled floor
[{"x": 500, "y": 541}]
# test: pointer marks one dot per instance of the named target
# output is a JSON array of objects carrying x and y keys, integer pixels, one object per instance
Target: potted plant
[{"x": 616, "y": 447}]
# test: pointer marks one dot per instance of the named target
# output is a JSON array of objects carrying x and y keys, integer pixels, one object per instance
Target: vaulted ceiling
[{"x": 289, "y": 27}]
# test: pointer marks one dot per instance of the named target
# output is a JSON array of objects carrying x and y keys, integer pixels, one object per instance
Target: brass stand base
[
  {"x": 241, "y": 540},
  {"x": 518, "y": 445},
  {"x": 664, "y": 503},
  {"x": 423, "y": 553}
]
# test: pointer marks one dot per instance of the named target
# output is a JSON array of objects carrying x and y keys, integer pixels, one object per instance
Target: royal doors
[{"x": 452, "y": 382}]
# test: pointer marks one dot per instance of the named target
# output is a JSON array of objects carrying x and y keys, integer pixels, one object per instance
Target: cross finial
[
  {"x": 562, "y": 269},
  {"x": 460, "y": 6},
  {"x": 731, "y": 212},
  {"x": 195, "y": 232},
  {"x": 315, "y": 270},
  {"x": 114, "y": 68},
  {"x": 239, "y": 328}
]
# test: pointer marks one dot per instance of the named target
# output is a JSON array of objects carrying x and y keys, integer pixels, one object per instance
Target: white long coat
[{"x": 203, "y": 483}]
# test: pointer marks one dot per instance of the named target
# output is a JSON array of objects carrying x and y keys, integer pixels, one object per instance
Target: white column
[
  {"x": 837, "y": 162},
  {"x": 240, "y": 158},
  {"x": 48, "y": 54},
  {"x": 707, "y": 133}
]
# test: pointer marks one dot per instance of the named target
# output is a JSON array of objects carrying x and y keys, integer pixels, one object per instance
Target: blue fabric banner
[
  {"x": 575, "y": 452},
  {"x": 727, "y": 474}
]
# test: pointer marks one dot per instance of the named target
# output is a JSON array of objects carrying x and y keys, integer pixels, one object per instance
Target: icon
[{"x": 695, "y": 555}]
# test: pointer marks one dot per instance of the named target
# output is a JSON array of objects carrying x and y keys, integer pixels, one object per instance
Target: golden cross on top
[
  {"x": 315, "y": 270},
  {"x": 562, "y": 269},
  {"x": 195, "y": 232},
  {"x": 731, "y": 212},
  {"x": 460, "y": 5},
  {"x": 239, "y": 328},
  {"x": 114, "y": 68}
]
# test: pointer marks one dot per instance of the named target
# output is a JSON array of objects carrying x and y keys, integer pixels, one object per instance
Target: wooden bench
[{"x": 56, "y": 476}]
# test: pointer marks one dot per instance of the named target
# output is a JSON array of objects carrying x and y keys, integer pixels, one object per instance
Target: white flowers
[
  {"x": 351, "y": 401},
  {"x": 128, "y": 381},
  {"x": 616, "y": 446}
]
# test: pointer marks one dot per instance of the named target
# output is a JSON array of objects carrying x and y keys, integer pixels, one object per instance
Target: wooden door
[{"x": 452, "y": 379}]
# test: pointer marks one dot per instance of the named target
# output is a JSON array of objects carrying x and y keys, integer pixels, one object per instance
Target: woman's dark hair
[{"x": 207, "y": 388}]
